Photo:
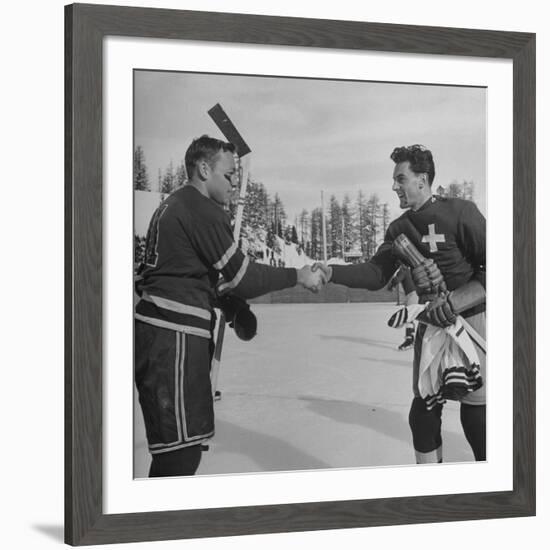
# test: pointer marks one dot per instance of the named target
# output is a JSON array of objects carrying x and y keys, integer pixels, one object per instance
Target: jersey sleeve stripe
[
  {"x": 220, "y": 264},
  {"x": 171, "y": 305},
  {"x": 233, "y": 266},
  {"x": 237, "y": 279}
]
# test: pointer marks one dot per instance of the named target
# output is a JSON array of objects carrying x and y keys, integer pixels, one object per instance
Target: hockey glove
[
  {"x": 439, "y": 312},
  {"x": 427, "y": 277},
  {"x": 239, "y": 316}
]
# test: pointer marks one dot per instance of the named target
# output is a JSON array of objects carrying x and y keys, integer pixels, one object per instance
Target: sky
[{"x": 311, "y": 135}]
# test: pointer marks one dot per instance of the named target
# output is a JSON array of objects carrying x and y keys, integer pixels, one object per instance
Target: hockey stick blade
[{"x": 223, "y": 122}]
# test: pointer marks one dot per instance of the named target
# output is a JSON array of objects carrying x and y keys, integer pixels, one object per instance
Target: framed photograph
[{"x": 312, "y": 425}]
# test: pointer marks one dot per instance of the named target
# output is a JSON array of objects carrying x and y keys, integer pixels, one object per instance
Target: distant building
[{"x": 353, "y": 256}]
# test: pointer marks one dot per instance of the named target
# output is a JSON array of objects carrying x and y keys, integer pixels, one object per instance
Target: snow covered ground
[{"x": 320, "y": 386}]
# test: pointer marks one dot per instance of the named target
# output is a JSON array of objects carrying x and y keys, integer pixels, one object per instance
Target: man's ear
[
  {"x": 423, "y": 181},
  {"x": 203, "y": 170}
]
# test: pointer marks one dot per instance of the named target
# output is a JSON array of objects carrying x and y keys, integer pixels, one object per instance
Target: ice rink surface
[{"x": 320, "y": 386}]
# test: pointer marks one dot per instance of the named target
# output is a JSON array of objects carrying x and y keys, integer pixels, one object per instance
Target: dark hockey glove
[
  {"x": 439, "y": 312},
  {"x": 427, "y": 277},
  {"x": 239, "y": 316}
]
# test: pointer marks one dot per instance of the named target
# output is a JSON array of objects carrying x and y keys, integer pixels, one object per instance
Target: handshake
[{"x": 314, "y": 277}]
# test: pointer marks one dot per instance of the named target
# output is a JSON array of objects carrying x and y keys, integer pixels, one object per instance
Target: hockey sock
[
  {"x": 426, "y": 431},
  {"x": 183, "y": 462},
  {"x": 472, "y": 418}
]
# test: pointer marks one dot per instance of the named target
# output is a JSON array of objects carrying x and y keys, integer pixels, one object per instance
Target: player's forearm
[
  {"x": 260, "y": 279},
  {"x": 366, "y": 275}
]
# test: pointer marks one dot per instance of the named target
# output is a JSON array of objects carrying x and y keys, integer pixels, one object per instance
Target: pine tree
[
  {"x": 361, "y": 222},
  {"x": 334, "y": 233},
  {"x": 294, "y": 235},
  {"x": 288, "y": 234},
  {"x": 279, "y": 229},
  {"x": 264, "y": 204},
  {"x": 255, "y": 214},
  {"x": 385, "y": 218},
  {"x": 316, "y": 244},
  {"x": 181, "y": 175},
  {"x": 348, "y": 236},
  {"x": 277, "y": 215},
  {"x": 373, "y": 213},
  {"x": 270, "y": 238},
  {"x": 168, "y": 183},
  {"x": 303, "y": 225},
  {"x": 141, "y": 179}
]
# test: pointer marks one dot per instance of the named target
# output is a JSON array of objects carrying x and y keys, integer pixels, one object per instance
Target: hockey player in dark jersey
[
  {"x": 450, "y": 234},
  {"x": 189, "y": 245}
]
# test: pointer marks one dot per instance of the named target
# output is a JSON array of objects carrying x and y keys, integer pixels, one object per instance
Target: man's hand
[
  {"x": 312, "y": 279},
  {"x": 326, "y": 269},
  {"x": 427, "y": 277},
  {"x": 439, "y": 311}
]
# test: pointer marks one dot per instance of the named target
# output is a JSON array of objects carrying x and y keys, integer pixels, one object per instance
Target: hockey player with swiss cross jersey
[
  {"x": 449, "y": 353},
  {"x": 189, "y": 245}
]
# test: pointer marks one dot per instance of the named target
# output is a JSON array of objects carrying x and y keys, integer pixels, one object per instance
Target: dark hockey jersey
[
  {"x": 189, "y": 243},
  {"x": 451, "y": 231}
]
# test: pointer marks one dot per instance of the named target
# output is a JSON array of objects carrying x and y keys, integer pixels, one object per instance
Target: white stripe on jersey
[
  {"x": 203, "y": 333},
  {"x": 177, "y": 306},
  {"x": 178, "y": 371},
  {"x": 237, "y": 279},
  {"x": 221, "y": 263}
]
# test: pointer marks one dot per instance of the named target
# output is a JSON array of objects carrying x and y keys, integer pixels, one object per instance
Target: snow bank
[{"x": 145, "y": 204}]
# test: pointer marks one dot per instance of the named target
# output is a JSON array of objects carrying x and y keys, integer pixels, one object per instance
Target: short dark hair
[
  {"x": 204, "y": 148},
  {"x": 419, "y": 158}
]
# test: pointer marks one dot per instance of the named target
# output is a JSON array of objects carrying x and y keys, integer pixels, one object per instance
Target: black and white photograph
[
  {"x": 309, "y": 273},
  {"x": 256, "y": 255}
]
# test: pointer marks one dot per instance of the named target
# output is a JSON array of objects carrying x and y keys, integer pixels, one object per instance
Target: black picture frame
[{"x": 85, "y": 27}]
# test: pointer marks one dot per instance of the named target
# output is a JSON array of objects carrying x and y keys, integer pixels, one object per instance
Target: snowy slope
[{"x": 145, "y": 204}]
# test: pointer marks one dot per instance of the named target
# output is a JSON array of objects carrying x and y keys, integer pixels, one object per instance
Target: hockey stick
[
  {"x": 223, "y": 122},
  {"x": 414, "y": 258}
]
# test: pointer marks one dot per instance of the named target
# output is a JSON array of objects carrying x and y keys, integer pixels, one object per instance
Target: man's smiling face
[{"x": 409, "y": 186}]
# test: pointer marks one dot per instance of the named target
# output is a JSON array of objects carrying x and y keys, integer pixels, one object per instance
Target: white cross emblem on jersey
[{"x": 432, "y": 237}]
